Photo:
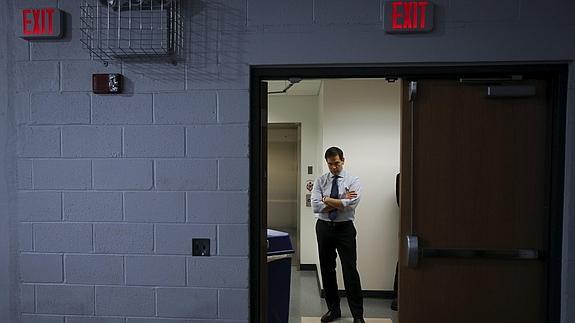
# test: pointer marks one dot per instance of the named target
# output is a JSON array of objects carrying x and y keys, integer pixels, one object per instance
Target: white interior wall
[
  {"x": 320, "y": 152},
  {"x": 302, "y": 110},
  {"x": 362, "y": 117}
]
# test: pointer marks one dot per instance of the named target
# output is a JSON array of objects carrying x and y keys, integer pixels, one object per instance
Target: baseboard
[
  {"x": 308, "y": 267},
  {"x": 385, "y": 294}
]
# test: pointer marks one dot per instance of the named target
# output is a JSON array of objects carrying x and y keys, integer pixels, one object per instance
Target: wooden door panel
[
  {"x": 474, "y": 291},
  {"x": 480, "y": 169},
  {"x": 488, "y": 158}
]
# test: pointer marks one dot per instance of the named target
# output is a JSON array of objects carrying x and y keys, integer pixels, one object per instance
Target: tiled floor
[{"x": 305, "y": 300}]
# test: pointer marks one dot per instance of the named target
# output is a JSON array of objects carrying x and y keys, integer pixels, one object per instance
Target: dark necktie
[{"x": 335, "y": 195}]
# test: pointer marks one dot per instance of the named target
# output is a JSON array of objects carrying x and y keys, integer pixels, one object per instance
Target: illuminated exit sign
[
  {"x": 408, "y": 16},
  {"x": 40, "y": 23}
]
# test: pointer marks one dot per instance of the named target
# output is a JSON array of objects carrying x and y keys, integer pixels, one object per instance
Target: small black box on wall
[
  {"x": 200, "y": 247},
  {"x": 107, "y": 83}
]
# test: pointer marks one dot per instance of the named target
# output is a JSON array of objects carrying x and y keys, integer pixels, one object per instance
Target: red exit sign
[
  {"x": 38, "y": 23},
  {"x": 408, "y": 16}
]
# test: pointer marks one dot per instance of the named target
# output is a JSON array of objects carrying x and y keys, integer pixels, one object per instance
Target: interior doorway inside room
[
  {"x": 283, "y": 181},
  {"x": 362, "y": 117},
  {"x": 481, "y": 156}
]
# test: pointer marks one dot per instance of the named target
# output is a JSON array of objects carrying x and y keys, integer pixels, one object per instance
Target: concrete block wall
[
  {"x": 11, "y": 234},
  {"x": 111, "y": 189},
  {"x": 109, "y": 212}
]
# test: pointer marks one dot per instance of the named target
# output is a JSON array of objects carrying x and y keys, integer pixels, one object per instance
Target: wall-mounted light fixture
[{"x": 107, "y": 83}]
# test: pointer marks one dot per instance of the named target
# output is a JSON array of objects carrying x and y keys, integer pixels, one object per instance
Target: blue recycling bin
[{"x": 279, "y": 256}]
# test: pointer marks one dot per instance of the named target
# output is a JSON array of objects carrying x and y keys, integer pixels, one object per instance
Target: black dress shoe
[
  {"x": 331, "y": 316},
  {"x": 394, "y": 304},
  {"x": 358, "y": 321}
]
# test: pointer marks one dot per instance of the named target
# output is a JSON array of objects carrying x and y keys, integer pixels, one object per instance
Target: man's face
[{"x": 335, "y": 164}]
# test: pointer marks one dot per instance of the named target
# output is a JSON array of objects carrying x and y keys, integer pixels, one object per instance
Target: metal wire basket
[{"x": 132, "y": 29}]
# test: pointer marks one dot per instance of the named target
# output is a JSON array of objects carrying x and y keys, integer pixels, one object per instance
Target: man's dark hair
[{"x": 332, "y": 152}]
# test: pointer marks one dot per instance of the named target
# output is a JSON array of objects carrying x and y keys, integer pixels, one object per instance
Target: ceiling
[{"x": 304, "y": 87}]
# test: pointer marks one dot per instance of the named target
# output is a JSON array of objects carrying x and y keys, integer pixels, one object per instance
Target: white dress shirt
[{"x": 322, "y": 187}]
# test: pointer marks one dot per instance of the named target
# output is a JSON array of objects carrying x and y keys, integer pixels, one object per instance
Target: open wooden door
[{"x": 474, "y": 202}]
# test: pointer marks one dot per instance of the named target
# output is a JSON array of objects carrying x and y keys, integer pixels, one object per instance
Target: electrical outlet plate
[{"x": 201, "y": 247}]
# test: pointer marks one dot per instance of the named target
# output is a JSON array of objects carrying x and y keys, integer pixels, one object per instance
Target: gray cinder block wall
[
  {"x": 8, "y": 221},
  {"x": 111, "y": 189}
]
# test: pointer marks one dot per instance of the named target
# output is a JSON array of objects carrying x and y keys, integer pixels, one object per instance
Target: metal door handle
[
  {"x": 412, "y": 250},
  {"x": 415, "y": 252},
  {"x": 512, "y": 254}
]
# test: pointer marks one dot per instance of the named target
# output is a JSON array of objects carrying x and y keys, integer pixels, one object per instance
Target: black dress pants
[{"x": 340, "y": 237}]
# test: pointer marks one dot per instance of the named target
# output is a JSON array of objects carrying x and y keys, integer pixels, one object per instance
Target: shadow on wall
[
  {"x": 212, "y": 47},
  {"x": 215, "y": 37}
]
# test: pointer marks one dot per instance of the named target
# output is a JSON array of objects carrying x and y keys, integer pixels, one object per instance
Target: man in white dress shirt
[{"x": 335, "y": 196}]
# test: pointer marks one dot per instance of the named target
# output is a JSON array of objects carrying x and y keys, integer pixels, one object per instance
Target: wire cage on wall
[{"x": 132, "y": 29}]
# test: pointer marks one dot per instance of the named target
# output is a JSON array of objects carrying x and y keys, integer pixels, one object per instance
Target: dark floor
[{"x": 305, "y": 300}]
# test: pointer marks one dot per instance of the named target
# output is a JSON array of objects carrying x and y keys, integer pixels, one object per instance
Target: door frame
[
  {"x": 556, "y": 73},
  {"x": 297, "y": 127}
]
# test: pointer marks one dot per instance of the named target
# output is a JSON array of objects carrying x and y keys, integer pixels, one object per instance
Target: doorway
[
  {"x": 283, "y": 181},
  {"x": 361, "y": 116},
  {"x": 553, "y": 75}
]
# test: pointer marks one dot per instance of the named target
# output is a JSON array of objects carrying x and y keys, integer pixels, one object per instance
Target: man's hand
[{"x": 350, "y": 194}]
